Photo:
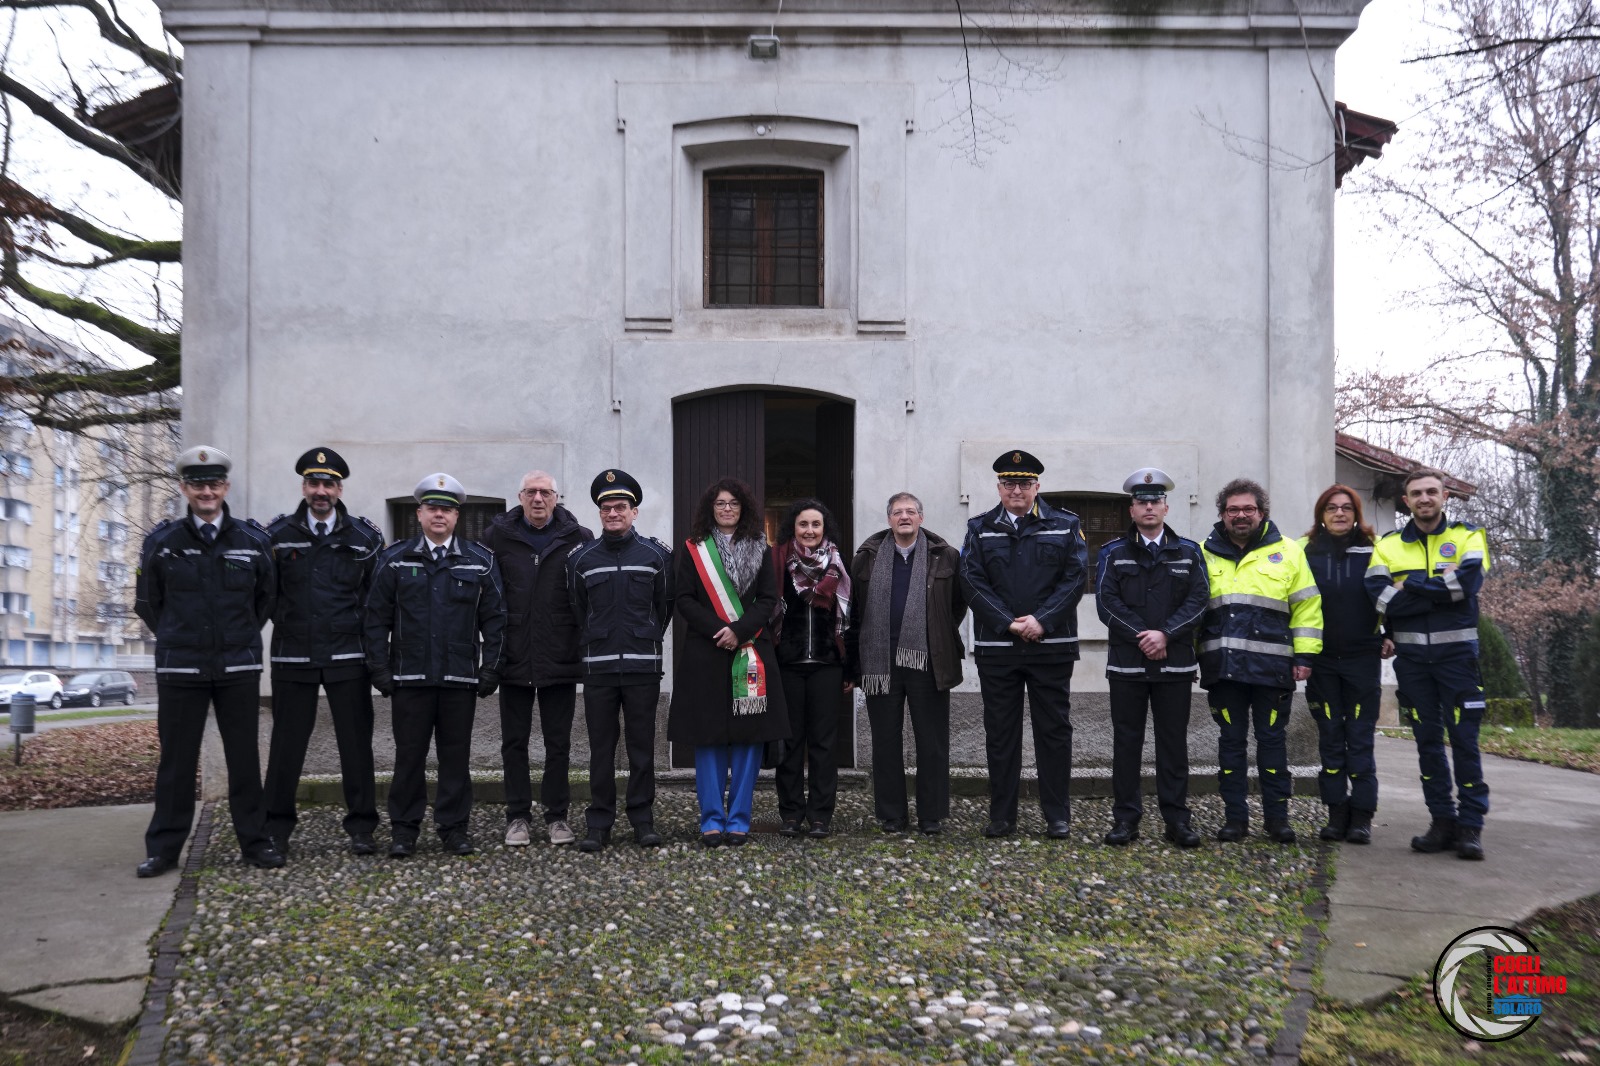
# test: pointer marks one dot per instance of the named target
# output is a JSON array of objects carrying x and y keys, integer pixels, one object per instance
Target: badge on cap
[
  {"x": 1016, "y": 457},
  {"x": 321, "y": 457},
  {"x": 203, "y": 457},
  {"x": 611, "y": 475},
  {"x": 1149, "y": 478}
]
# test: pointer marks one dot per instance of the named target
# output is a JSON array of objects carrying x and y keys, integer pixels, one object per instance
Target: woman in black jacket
[
  {"x": 1345, "y": 686},
  {"x": 814, "y": 609},
  {"x": 726, "y": 699}
]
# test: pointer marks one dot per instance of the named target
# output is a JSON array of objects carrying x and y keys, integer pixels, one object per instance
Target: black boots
[
  {"x": 1441, "y": 834},
  {"x": 1338, "y": 822},
  {"x": 597, "y": 839},
  {"x": 1122, "y": 834},
  {"x": 1233, "y": 832},
  {"x": 1278, "y": 829},
  {"x": 1181, "y": 834},
  {"x": 1469, "y": 843},
  {"x": 1360, "y": 831}
]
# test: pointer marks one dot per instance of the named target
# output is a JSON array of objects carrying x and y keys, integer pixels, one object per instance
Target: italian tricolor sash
[{"x": 749, "y": 675}]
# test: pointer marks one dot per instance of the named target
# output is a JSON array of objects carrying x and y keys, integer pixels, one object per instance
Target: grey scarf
[
  {"x": 911, "y": 651},
  {"x": 742, "y": 558}
]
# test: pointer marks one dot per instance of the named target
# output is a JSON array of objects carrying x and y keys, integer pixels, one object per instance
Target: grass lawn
[
  {"x": 1574, "y": 749},
  {"x": 91, "y": 712},
  {"x": 1407, "y": 1029}
]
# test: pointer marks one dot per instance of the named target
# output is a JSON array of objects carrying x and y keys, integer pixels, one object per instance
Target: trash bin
[{"x": 22, "y": 713}]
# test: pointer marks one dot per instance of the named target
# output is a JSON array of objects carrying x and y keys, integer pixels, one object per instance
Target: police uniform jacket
[
  {"x": 1349, "y": 619},
  {"x": 1136, "y": 590},
  {"x": 1265, "y": 613},
  {"x": 621, "y": 589},
  {"x": 322, "y": 584},
  {"x": 206, "y": 603},
  {"x": 433, "y": 622},
  {"x": 1432, "y": 616},
  {"x": 541, "y": 630},
  {"x": 1037, "y": 567}
]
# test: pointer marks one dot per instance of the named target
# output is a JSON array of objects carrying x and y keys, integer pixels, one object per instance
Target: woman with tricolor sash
[{"x": 727, "y": 701}]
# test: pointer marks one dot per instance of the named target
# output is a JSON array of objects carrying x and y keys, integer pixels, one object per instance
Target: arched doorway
[{"x": 786, "y": 445}]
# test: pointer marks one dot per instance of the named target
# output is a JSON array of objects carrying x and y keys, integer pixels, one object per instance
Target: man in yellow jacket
[{"x": 1262, "y": 626}]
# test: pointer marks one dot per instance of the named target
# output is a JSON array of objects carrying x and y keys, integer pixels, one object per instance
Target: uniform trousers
[
  {"x": 1167, "y": 703},
  {"x": 725, "y": 784},
  {"x": 443, "y": 716},
  {"x": 1235, "y": 706},
  {"x": 557, "y": 704},
  {"x": 1343, "y": 695},
  {"x": 930, "y": 731},
  {"x": 1445, "y": 699},
  {"x": 181, "y": 724},
  {"x": 812, "y": 692},
  {"x": 1049, "y": 690},
  {"x": 294, "y": 716},
  {"x": 612, "y": 712}
]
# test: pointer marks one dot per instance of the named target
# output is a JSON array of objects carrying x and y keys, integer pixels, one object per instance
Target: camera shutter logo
[{"x": 1488, "y": 985}]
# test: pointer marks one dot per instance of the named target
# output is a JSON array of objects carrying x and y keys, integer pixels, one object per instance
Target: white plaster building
[{"x": 475, "y": 237}]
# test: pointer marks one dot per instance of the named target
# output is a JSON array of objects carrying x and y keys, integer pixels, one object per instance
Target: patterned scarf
[
  {"x": 822, "y": 580},
  {"x": 741, "y": 557},
  {"x": 911, "y": 651}
]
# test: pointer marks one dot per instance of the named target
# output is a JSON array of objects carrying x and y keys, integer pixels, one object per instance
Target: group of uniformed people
[{"x": 436, "y": 622}]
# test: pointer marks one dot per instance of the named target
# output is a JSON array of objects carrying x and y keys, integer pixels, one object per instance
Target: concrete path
[
  {"x": 1542, "y": 847},
  {"x": 78, "y": 923}
]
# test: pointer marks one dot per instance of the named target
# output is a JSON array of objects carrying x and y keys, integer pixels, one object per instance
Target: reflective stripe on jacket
[
  {"x": 1349, "y": 624},
  {"x": 1038, "y": 566},
  {"x": 322, "y": 585},
  {"x": 621, "y": 589},
  {"x": 1136, "y": 590},
  {"x": 1265, "y": 614},
  {"x": 425, "y": 616},
  {"x": 1431, "y": 613}
]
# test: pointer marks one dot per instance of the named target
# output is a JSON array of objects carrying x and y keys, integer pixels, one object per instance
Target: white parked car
[{"x": 45, "y": 687}]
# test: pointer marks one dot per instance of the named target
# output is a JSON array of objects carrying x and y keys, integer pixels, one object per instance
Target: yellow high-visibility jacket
[{"x": 1265, "y": 613}]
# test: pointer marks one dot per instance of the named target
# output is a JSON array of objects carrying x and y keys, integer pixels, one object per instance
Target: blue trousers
[
  {"x": 1446, "y": 700},
  {"x": 1343, "y": 695},
  {"x": 1235, "y": 706},
  {"x": 725, "y": 804}
]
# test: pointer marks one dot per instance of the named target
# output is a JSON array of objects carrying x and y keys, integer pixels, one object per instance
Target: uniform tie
[
  {"x": 322, "y": 529},
  {"x": 438, "y": 554},
  {"x": 209, "y": 532}
]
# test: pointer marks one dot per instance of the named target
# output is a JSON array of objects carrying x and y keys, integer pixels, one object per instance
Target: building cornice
[{"x": 1237, "y": 23}]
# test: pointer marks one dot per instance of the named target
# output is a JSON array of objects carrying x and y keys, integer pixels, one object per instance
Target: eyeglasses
[
  {"x": 538, "y": 492},
  {"x": 1339, "y": 508},
  {"x": 615, "y": 508},
  {"x": 205, "y": 486},
  {"x": 1241, "y": 512},
  {"x": 726, "y": 505},
  {"x": 904, "y": 513},
  {"x": 1018, "y": 486}
]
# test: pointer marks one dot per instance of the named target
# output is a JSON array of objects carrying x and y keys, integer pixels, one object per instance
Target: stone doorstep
[{"x": 330, "y": 793}]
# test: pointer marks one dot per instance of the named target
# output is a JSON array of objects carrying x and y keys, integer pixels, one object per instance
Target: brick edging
[
  {"x": 1297, "y": 1015},
  {"x": 151, "y": 1029}
]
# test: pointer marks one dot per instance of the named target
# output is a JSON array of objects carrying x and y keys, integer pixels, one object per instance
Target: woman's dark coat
[{"x": 702, "y": 683}]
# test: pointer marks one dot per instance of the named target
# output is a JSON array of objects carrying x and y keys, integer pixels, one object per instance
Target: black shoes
[
  {"x": 1278, "y": 829},
  {"x": 1469, "y": 843},
  {"x": 1122, "y": 834},
  {"x": 711, "y": 838},
  {"x": 1441, "y": 835},
  {"x": 1338, "y": 826},
  {"x": 930, "y": 826},
  {"x": 402, "y": 847},
  {"x": 998, "y": 828},
  {"x": 280, "y": 844},
  {"x": 737, "y": 840},
  {"x": 893, "y": 825},
  {"x": 596, "y": 840},
  {"x": 1181, "y": 834},
  {"x": 790, "y": 827},
  {"x": 645, "y": 835},
  {"x": 1360, "y": 831},
  {"x": 363, "y": 844},
  {"x": 263, "y": 857},
  {"x": 457, "y": 842},
  {"x": 818, "y": 830},
  {"x": 1233, "y": 832},
  {"x": 1061, "y": 829},
  {"x": 156, "y": 865}
]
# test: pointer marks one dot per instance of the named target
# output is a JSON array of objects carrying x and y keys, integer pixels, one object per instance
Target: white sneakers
[
  {"x": 561, "y": 833},
  {"x": 517, "y": 833}
]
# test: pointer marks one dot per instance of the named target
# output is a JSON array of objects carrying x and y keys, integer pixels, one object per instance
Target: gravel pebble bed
[{"x": 860, "y": 948}]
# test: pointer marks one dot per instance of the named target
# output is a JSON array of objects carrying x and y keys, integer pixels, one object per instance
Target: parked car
[
  {"x": 45, "y": 687},
  {"x": 102, "y": 686}
]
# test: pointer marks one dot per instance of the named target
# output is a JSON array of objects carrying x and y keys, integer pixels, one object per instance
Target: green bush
[
  {"x": 1502, "y": 678},
  {"x": 1517, "y": 712}
]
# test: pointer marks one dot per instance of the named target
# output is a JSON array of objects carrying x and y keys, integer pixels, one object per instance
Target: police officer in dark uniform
[
  {"x": 434, "y": 598},
  {"x": 324, "y": 558},
  {"x": 1024, "y": 568},
  {"x": 1151, "y": 592},
  {"x": 621, "y": 588},
  {"x": 205, "y": 588}
]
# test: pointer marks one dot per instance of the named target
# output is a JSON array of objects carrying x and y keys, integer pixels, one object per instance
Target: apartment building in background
[{"x": 74, "y": 508}]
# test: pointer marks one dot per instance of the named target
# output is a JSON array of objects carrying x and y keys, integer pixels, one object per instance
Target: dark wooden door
[
  {"x": 836, "y": 464},
  {"x": 717, "y": 436}
]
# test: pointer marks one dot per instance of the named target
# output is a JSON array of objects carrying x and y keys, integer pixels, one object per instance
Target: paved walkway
[
  {"x": 1402, "y": 908},
  {"x": 78, "y": 925}
]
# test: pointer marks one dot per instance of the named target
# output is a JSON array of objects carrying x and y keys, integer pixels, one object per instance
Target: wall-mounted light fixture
[{"x": 763, "y": 46}]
